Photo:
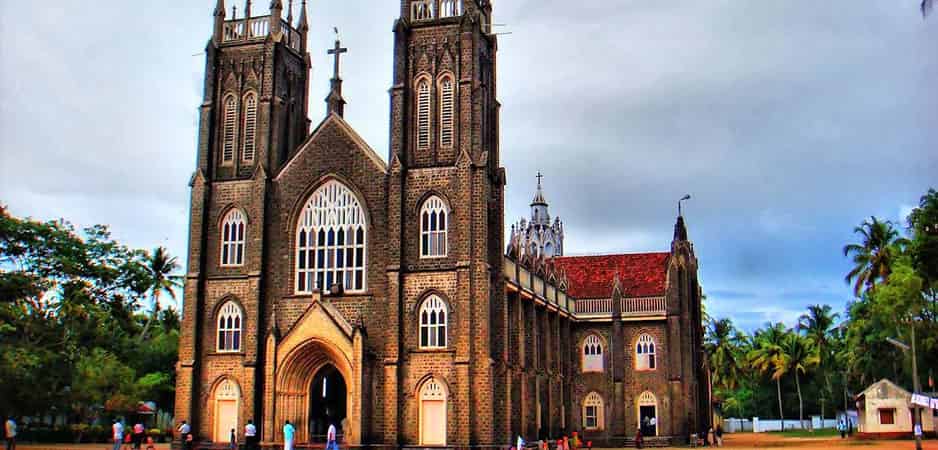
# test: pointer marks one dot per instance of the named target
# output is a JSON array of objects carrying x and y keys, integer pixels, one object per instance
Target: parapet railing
[{"x": 258, "y": 28}]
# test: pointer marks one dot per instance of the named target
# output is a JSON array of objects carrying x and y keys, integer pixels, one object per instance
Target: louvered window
[
  {"x": 423, "y": 114},
  {"x": 250, "y": 126},
  {"x": 450, "y": 8},
  {"x": 447, "y": 111},
  {"x": 230, "y": 128}
]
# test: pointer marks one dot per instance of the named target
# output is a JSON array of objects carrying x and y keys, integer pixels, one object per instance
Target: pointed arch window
[
  {"x": 422, "y": 10},
  {"x": 593, "y": 412},
  {"x": 229, "y": 129},
  {"x": 645, "y": 353},
  {"x": 447, "y": 111},
  {"x": 229, "y": 328},
  {"x": 423, "y": 113},
  {"x": 433, "y": 315},
  {"x": 250, "y": 127},
  {"x": 331, "y": 236},
  {"x": 434, "y": 217},
  {"x": 592, "y": 354},
  {"x": 232, "y": 238}
]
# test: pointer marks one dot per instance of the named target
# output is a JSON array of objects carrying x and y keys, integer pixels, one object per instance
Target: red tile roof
[{"x": 641, "y": 274}]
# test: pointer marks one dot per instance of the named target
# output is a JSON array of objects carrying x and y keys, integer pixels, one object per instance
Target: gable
[{"x": 333, "y": 139}]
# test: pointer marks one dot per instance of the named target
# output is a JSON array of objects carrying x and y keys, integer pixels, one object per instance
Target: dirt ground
[{"x": 736, "y": 441}]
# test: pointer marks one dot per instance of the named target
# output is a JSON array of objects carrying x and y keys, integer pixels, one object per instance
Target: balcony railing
[
  {"x": 536, "y": 286},
  {"x": 629, "y": 307},
  {"x": 258, "y": 28}
]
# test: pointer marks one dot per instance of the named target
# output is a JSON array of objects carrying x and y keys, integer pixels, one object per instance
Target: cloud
[{"x": 788, "y": 122}]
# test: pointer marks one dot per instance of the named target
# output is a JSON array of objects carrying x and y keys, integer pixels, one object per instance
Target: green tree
[
  {"x": 873, "y": 256},
  {"x": 798, "y": 357},
  {"x": 161, "y": 269},
  {"x": 817, "y": 325},
  {"x": 722, "y": 344},
  {"x": 766, "y": 356}
]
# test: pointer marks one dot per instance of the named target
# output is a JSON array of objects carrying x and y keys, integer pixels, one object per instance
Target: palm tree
[
  {"x": 873, "y": 256},
  {"x": 817, "y": 325},
  {"x": 766, "y": 357},
  {"x": 722, "y": 344},
  {"x": 161, "y": 270},
  {"x": 798, "y": 355}
]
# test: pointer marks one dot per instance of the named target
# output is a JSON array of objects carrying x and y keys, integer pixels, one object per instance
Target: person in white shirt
[
  {"x": 184, "y": 431},
  {"x": 250, "y": 433},
  {"x": 118, "y": 434},
  {"x": 330, "y": 438},
  {"x": 10, "y": 433}
]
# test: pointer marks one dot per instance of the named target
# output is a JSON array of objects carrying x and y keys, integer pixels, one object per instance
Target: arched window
[
  {"x": 593, "y": 412},
  {"x": 449, "y": 8},
  {"x": 447, "y": 111},
  {"x": 548, "y": 250},
  {"x": 232, "y": 238},
  {"x": 433, "y": 225},
  {"x": 330, "y": 241},
  {"x": 423, "y": 113},
  {"x": 229, "y": 128},
  {"x": 433, "y": 323},
  {"x": 592, "y": 354},
  {"x": 227, "y": 397},
  {"x": 433, "y": 413},
  {"x": 229, "y": 328},
  {"x": 250, "y": 126},
  {"x": 645, "y": 353}
]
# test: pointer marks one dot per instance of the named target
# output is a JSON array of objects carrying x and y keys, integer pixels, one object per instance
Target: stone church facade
[{"x": 327, "y": 286}]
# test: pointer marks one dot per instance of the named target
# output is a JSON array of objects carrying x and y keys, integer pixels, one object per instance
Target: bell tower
[
  {"x": 254, "y": 109},
  {"x": 444, "y": 156}
]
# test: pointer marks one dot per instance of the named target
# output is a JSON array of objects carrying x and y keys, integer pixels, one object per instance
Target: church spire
[
  {"x": 539, "y": 193},
  {"x": 335, "y": 103},
  {"x": 539, "y": 214},
  {"x": 219, "y": 21}
]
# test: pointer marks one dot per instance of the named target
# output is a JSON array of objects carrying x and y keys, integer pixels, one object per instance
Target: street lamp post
[{"x": 916, "y": 385}]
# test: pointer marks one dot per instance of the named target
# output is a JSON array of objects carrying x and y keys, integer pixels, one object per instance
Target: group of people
[
  {"x": 289, "y": 434},
  {"x": 572, "y": 442},
  {"x": 134, "y": 439}
]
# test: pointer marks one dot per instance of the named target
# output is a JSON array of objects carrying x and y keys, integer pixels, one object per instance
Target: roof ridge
[{"x": 587, "y": 255}]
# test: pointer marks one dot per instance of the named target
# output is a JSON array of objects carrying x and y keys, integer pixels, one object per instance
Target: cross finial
[
  {"x": 338, "y": 50},
  {"x": 539, "y": 176}
]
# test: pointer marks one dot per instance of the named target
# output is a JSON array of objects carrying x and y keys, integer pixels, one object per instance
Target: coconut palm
[
  {"x": 874, "y": 255},
  {"x": 798, "y": 356},
  {"x": 766, "y": 357},
  {"x": 722, "y": 344},
  {"x": 817, "y": 325},
  {"x": 161, "y": 270}
]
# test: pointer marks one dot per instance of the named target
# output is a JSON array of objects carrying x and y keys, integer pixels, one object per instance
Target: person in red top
[{"x": 139, "y": 434}]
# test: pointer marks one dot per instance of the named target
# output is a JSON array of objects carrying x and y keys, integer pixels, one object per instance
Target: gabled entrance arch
[{"x": 321, "y": 343}]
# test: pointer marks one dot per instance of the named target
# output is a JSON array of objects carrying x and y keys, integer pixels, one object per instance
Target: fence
[{"x": 757, "y": 425}]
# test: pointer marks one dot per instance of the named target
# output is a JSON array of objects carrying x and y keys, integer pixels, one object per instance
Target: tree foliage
[{"x": 70, "y": 310}]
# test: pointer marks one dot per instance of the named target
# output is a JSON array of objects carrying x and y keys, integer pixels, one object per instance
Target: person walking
[
  {"x": 185, "y": 435},
  {"x": 842, "y": 428},
  {"x": 117, "y": 433},
  {"x": 9, "y": 432},
  {"x": 138, "y": 435},
  {"x": 233, "y": 440},
  {"x": 288, "y": 433},
  {"x": 718, "y": 434},
  {"x": 331, "y": 443},
  {"x": 250, "y": 435}
]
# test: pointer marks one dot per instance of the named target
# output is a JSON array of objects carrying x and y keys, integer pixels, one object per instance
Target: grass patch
[{"x": 822, "y": 433}]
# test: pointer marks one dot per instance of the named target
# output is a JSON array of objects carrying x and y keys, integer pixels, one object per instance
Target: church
[{"x": 329, "y": 286}]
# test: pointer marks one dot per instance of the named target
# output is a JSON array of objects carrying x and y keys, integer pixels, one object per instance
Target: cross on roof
[
  {"x": 539, "y": 176},
  {"x": 338, "y": 50}
]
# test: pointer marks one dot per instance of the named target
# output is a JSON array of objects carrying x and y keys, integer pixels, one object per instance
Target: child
[
  {"x": 233, "y": 440},
  {"x": 150, "y": 444}
]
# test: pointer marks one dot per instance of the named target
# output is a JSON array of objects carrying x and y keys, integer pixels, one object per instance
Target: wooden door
[
  {"x": 226, "y": 419},
  {"x": 433, "y": 429}
]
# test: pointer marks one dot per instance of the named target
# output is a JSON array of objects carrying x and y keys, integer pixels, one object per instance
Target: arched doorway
[
  {"x": 432, "y": 413},
  {"x": 226, "y": 402},
  {"x": 328, "y": 397},
  {"x": 648, "y": 414}
]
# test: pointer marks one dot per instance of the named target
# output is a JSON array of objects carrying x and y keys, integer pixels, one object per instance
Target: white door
[
  {"x": 434, "y": 422},
  {"x": 226, "y": 419}
]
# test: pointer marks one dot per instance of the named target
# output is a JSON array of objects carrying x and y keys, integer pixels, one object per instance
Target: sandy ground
[{"x": 736, "y": 441}]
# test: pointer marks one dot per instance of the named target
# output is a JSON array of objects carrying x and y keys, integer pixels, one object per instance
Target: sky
[{"x": 789, "y": 123}]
